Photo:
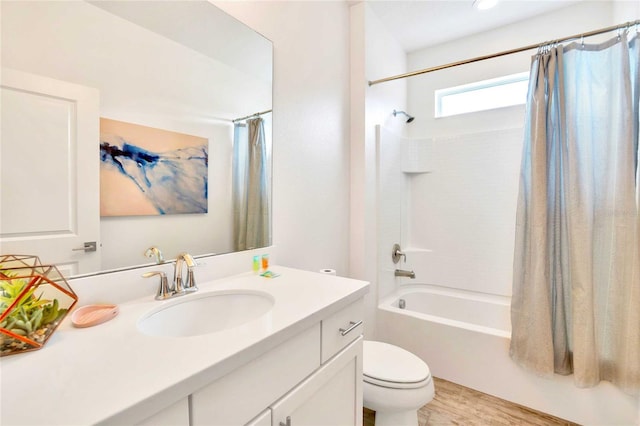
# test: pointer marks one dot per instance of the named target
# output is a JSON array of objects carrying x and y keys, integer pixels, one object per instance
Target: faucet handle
[
  {"x": 164, "y": 291},
  {"x": 397, "y": 253}
]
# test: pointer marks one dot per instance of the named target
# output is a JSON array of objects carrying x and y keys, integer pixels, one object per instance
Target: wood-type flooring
[{"x": 458, "y": 405}]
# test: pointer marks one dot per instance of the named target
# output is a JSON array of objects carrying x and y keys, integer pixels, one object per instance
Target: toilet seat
[
  {"x": 393, "y": 367},
  {"x": 396, "y": 385}
]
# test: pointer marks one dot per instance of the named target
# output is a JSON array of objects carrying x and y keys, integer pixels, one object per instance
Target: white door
[{"x": 49, "y": 171}]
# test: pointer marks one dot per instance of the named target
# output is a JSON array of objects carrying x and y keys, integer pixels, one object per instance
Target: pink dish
[{"x": 90, "y": 315}]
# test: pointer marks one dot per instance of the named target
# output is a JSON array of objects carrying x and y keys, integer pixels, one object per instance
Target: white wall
[
  {"x": 626, "y": 11},
  {"x": 374, "y": 52},
  {"x": 391, "y": 208},
  {"x": 324, "y": 184},
  {"x": 462, "y": 215},
  {"x": 384, "y": 56},
  {"x": 310, "y": 128}
]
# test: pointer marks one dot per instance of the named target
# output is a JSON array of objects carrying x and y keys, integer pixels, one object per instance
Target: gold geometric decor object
[{"x": 34, "y": 299}]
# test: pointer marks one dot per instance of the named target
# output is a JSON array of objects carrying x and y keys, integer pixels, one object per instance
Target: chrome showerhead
[{"x": 410, "y": 118}]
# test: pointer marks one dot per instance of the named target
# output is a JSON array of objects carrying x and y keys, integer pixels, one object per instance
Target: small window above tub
[{"x": 482, "y": 95}]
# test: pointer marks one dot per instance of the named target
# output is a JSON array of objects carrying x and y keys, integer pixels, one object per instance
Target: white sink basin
[{"x": 197, "y": 314}]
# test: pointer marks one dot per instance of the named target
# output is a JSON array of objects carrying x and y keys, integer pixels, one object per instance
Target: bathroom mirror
[{"x": 176, "y": 66}]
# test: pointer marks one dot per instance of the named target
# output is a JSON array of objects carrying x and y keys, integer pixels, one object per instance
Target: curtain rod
[
  {"x": 506, "y": 52},
  {"x": 257, "y": 114}
]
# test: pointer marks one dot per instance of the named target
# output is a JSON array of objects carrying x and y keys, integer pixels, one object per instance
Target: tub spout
[{"x": 403, "y": 273}]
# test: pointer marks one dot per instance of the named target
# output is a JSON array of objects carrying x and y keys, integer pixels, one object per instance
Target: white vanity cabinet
[
  {"x": 314, "y": 378},
  {"x": 263, "y": 419},
  {"x": 174, "y": 415},
  {"x": 301, "y": 360},
  {"x": 239, "y": 396},
  {"x": 331, "y": 396}
]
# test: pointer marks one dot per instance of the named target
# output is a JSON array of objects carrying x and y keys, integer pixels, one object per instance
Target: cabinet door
[{"x": 331, "y": 396}]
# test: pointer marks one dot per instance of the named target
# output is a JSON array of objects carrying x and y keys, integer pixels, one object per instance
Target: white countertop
[{"x": 112, "y": 372}]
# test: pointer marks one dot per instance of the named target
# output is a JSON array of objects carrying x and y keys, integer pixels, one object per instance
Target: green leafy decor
[{"x": 27, "y": 319}]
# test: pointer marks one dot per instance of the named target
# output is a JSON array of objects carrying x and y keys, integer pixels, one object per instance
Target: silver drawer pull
[
  {"x": 352, "y": 325},
  {"x": 288, "y": 422}
]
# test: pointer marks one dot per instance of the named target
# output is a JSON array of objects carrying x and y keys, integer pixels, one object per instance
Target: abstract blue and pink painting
[{"x": 150, "y": 171}]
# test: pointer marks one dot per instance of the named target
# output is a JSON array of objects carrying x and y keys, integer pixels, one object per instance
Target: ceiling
[{"x": 423, "y": 23}]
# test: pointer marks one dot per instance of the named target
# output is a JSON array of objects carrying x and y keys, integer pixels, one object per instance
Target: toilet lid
[{"x": 383, "y": 362}]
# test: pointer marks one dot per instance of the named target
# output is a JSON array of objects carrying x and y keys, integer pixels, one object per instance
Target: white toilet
[{"x": 396, "y": 384}]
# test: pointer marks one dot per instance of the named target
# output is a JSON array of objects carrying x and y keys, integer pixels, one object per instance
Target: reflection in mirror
[{"x": 181, "y": 67}]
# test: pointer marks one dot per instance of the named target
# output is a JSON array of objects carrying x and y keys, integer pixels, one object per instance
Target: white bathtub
[
  {"x": 464, "y": 338},
  {"x": 462, "y": 309}
]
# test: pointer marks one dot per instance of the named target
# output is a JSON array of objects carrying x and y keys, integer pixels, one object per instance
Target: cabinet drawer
[
  {"x": 236, "y": 398},
  {"x": 341, "y": 328}
]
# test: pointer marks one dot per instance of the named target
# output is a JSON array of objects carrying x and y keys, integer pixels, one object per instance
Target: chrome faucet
[
  {"x": 179, "y": 287},
  {"x": 154, "y": 251},
  {"x": 189, "y": 285},
  {"x": 403, "y": 273}
]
